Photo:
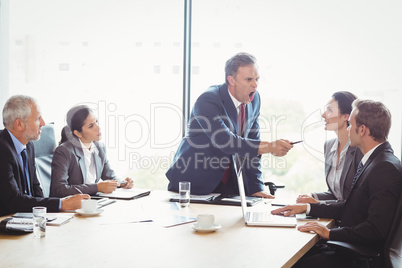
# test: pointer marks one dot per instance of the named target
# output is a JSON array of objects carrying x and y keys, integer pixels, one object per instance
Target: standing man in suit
[
  {"x": 366, "y": 216},
  {"x": 224, "y": 122},
  {"x": 19, "y": 186}
]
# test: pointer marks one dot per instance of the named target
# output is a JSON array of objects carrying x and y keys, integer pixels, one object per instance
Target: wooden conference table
[{"x": 109, "y": 240}]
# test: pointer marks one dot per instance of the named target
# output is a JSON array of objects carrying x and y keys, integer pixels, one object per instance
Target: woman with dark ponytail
[
  {"x": 341, "y": 160},
  {"x": 79, "y": 163}
]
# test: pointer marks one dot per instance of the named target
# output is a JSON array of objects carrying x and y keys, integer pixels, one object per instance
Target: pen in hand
[
  {"x": 79, "y": 191},
  {"x": 296, "y": 142}
]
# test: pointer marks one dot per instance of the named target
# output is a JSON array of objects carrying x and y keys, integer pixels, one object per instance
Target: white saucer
[
  {"x": 210, "y": 229},
  {"x": 82, "y": 213}
]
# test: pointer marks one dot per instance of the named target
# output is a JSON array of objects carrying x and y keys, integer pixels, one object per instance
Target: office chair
[
  {"x": 273, "y": 187},
  {"x": 44, "y": 150},
  {"x": 390, "y": 256}
]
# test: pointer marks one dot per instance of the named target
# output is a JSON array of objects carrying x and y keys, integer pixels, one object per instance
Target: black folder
[
  {"x": 127, "y": 194},
  {"x": 219, "y": 199}
]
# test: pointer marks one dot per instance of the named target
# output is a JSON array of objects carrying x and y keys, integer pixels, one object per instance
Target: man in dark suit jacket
[
  {"x": 213, "y": 135},
  {"x": 366, "y": 216},
  {"x": 23, "y": 122}
]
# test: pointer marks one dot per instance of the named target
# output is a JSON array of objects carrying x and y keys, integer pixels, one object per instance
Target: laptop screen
[{"x": 239, "y": 175}]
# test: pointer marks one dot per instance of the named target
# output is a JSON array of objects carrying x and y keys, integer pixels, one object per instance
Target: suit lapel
[
  {"x": 329, "y": 158},
  {"x": 16, "y": 158},
  {"x": 364, "y": 168},
  {"x": 348, "y": 163},
  {"x": 378, "y": 150},
  {"x": 229, "y": 107},
  {"x": 79, "y": 154},
  {"x": 98, "y": 163}
]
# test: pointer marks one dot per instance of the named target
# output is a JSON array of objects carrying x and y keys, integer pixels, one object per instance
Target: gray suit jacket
[
  {"x": 69, "y": 171},
  {"x": 352, "y": 159}
]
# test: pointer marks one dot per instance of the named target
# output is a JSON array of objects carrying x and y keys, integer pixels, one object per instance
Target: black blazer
[
  {"x": 12, "y": 198},
  {"x": 368, "y": 212}
]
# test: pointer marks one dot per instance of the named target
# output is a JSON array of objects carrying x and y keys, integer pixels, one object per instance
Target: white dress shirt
[{"x": 89, "y": 163}]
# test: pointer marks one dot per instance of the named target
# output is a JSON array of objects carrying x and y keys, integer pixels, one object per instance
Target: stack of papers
[{"x": 53, "y": 219}]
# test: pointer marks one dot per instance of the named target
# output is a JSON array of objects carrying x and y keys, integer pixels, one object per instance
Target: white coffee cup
[
  {"x": 205, "y": 220},
  {"x": 89, "y": 205}
]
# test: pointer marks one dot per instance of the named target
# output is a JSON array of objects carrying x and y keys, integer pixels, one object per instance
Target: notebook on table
[
  {"x": 53, "y": 219},
  {"x": 259, "y": 218},
  {"x": 121, "y": 193}
]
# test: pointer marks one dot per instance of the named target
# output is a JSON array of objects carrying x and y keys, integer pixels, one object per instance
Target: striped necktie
[{"x": 359, "y": 170}]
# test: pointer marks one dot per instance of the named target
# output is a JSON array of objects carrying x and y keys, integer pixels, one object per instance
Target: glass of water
[
  {"x": 184, "y": 193},
  {"x": 39, "y": 221}
]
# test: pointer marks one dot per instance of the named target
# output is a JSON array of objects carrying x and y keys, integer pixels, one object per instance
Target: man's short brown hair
[{"x": 375, "y": 116}]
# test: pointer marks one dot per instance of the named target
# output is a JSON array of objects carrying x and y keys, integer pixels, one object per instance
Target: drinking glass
[
  {"x": 39, "y": 221},
  {"x": 184, "y": 193}
]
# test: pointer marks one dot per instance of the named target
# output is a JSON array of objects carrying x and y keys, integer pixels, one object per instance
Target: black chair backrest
[
  {"x": 44, "y": 150},
  {"x": 393, "y": 244}
]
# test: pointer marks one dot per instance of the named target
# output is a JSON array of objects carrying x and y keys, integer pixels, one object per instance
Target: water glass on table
[
  {"x": 184, "y": 193},
  {"x": 39, "y": 221}
]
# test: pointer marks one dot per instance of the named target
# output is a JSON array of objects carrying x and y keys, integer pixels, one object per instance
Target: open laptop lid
[
  {"x": 239, "y": 175},
  {"x": 276, "y": 221}
]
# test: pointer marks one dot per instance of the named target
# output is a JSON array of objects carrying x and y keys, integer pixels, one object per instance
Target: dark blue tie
[
  {"x": 359, "y": 170},
  {"x": 25, "y": 162}
]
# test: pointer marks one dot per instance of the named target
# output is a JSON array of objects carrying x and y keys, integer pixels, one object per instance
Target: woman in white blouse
[
  {"x": 79, "y": 163},
  {"x": 341, "y": 160}
]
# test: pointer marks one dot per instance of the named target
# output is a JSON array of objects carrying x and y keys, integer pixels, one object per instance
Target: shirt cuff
[
  {"x": 60, "y": 204},
  {"x": 308, "y": 208}
]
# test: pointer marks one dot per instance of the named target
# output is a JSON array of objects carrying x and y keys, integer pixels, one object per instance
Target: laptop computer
[{"x": 259, "y": 218}]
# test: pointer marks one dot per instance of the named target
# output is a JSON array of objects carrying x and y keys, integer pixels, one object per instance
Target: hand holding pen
[
  {"x": 282, "y": 147},
  {"x": 278, "y": 148},
  {"x": 128, "y": 183}
]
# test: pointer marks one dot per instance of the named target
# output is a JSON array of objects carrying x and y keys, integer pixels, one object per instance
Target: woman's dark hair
[
  {"x": 345, "y": 100},
  {"x": 76, "y": 117},
  {"x": 64, "y": 134}
]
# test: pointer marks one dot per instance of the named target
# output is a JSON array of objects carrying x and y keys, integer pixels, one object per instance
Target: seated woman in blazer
[
  {"x": 79, "y": 163},
  {"x": 341, "y": 160}
]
